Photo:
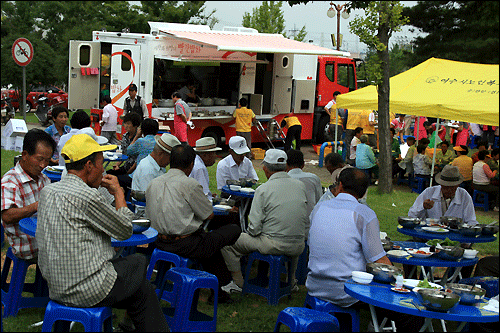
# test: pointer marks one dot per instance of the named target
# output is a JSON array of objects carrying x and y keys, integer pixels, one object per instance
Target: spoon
[{"x": 494, "y": 222}]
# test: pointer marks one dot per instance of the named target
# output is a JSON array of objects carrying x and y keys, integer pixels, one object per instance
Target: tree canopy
[
  {"x": 268, "y": 18},
  {"x": 456, "y": 30},
  {"x": 50, "y": 25}
]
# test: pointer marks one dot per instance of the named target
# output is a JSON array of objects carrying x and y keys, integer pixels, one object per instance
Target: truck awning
[{"x": 250, "y": 42}]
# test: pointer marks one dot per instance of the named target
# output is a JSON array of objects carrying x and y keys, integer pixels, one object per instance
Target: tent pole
[
  {"x": 434, "y": 155},
  {"x": 336, "y": 131}
]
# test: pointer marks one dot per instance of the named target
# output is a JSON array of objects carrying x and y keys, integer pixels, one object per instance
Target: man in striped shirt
[{"x": 21, "y": 187}]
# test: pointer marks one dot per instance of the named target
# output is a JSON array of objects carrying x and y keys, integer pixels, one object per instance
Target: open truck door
[
  {"x": 125, "y": 69},
  {"x": 84, "y": 74}
]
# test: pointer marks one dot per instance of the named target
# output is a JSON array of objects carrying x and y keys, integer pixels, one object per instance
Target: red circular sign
[{"x": 22, "y": 51}]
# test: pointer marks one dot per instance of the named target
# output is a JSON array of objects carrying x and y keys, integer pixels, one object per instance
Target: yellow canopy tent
[{"x": 438, "y": 88}]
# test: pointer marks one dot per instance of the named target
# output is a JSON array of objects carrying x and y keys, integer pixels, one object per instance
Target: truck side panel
[{"x": 84, "y": 73}]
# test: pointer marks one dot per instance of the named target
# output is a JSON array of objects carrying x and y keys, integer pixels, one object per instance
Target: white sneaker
[
  {"x": 495, "y": 209},
  {"x": 376, "y": 182},
  {"x": 232, "y": 287}
]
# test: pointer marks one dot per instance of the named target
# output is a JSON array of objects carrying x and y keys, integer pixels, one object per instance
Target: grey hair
[{"x": 275, "y": 167}]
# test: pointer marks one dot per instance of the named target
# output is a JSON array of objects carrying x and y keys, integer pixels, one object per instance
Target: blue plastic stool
[
  {"x": 301, "y": 272},
  {"x": 271, "y": 288},
  {"x": 487, "y": 282},
  {"x": 187, "y": 284},
  {"x": 12, "y": 298},
  {"x": 408, "y": 181},
  {"x": 324, "y": 306},
  {"x": 93, "y": 319},
  {"x": 480, "y": 199},
  {"x": 162, "y": 258},
  {"x": 495, "y": 143},
  {"x": 418, "y": 184},
  {"x": 306, "y": 320}
]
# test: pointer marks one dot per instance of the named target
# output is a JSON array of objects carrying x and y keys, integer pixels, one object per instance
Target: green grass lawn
[{"x": 251, "y": 312}]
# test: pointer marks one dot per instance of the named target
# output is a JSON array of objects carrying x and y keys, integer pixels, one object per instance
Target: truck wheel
[
  {"x": 212, "y": 132},
  {"x": 28, "y": 107},
  {"x": 324, "y": 130}
]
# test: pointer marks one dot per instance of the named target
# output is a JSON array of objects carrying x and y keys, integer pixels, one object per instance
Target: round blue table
[
  {"x": 53, "y": 176},
  {"x": 114, "y": 157},
  {"x": 431, "y": 261},
  {"x": 28, "y": 226},
  {"x": 246, "y": 200},
  {"x": 380, "y": 295},
  {"x": 451, "y": 235}
]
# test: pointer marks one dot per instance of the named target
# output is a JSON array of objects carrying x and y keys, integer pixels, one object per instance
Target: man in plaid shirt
[{"x": 21, "y": 188}]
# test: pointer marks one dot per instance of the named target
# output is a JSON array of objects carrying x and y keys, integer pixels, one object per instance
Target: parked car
[{"x": 54, "y": 94}]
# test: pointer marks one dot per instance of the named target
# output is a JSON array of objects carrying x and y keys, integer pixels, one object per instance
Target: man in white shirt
[
  {"x": 445, "y": 199},
  {"x": 109, "y": 121},
  {"x": 314, "y": 191},
  {"x": 236, "y": 165},
  {"x": 358, "y": 132},
  {"x": 205, "y": 157},
  {"x": 154, "y": 164}
]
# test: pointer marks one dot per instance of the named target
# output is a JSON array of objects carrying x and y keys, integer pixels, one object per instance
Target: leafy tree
[
  {"x": 456, "y": 30},
  {"x": 381, "y": 19},
  {"x": 268, "y": 18}
]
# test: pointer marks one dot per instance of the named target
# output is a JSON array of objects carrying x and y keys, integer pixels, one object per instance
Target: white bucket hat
[
  {"x": 205, "y": 145},
  {"x": 167, "y": 142}
]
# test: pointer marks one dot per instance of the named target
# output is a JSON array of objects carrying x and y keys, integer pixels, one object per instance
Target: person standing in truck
[
  {"x": 135, "y": 103},
  {"x": 182, "y": 118}
]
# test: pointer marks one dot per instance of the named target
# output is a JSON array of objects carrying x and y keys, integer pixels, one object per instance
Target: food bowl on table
[
  {"x": 432, "y": 222},
  {"x": 362, "y": 277},
  {"x": 451, "y": 222},
  {"x": 450, "y": 253},
  {"x": 408, "y": 222},
  {"x": 437, "y": 300},
  {"x": 247, "y": 182},
  {"x": 234, "y": 187},
  {"x": 488, "y": 230},
  {"x": 469, "y": 295},
  {"x": 138, "y": 195},
  {"x": 139, "y": 226},
  {"x": 470, "y": 254},
  {"x": 383, "y": 273},
  {"x": 469, "y": 231},
  {"x": 387, "y": 244},
  {"x": 420, "y": 253}
]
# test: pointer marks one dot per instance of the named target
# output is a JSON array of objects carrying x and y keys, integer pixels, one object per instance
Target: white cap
[
  {"x": 89, "y": 131},
  {"x": 275, "y": 156},
  {"x": 239, "y": 145}
]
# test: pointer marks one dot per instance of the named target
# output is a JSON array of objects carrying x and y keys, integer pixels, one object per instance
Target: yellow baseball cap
[{"x": 80, "y": 146}]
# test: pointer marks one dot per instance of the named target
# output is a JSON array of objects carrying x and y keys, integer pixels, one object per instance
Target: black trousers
[
  {"x": 205, "y": 248},
  {"x": 133, "y": 292},
  {"x": 293, "y": 133}
]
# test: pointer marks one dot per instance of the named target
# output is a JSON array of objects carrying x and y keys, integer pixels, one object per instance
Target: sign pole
[{"x": 24, "y": 95}]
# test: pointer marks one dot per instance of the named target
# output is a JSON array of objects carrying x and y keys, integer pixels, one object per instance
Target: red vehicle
[{"x": 54, "y": 94}]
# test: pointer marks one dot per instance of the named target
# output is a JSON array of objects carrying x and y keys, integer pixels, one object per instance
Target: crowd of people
[{"x": 87, "y": 206}]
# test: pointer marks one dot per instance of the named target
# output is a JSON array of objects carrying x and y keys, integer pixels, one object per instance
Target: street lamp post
[{"x": 331, "y": 13}]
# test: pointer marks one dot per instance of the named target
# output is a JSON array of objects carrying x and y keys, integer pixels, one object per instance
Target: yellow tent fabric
[{"x": 439, "y": 88}]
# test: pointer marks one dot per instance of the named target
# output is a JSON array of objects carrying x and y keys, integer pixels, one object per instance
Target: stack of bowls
[{"x": 408, "y": 222}]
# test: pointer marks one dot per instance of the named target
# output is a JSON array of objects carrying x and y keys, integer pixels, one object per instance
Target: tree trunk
[{"x": 385, "y": 159}]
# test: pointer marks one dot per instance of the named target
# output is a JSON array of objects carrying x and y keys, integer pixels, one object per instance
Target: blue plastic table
[
  {"x": 28, "y": 226},
  {"x": 246, "y": 200},
  {"x": 451, "y": 235},
  {"x": 380, "y": 295},
  {"x": 119, "y": 158},
  {"x": 53, "y": 176},
  {"x": 431, "y": 261}
]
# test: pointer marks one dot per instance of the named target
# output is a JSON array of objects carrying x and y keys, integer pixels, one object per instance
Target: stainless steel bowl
[
  {"x": 450, "y": 253},
  {"x": 489, "y": 230},
  {"x": 387, "y": 244},
  {"x": 469, "y": 295},
  {"x": 451, "y": 222},
  {"x": 138, "y": 195},
  {"x": 139, "y": 226},
  {"x": 383, "y": 273},
  {"x": 437, "y": 300},
  {"x": 469, "y": 231},
  {"x": 408, "y": 222}
]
